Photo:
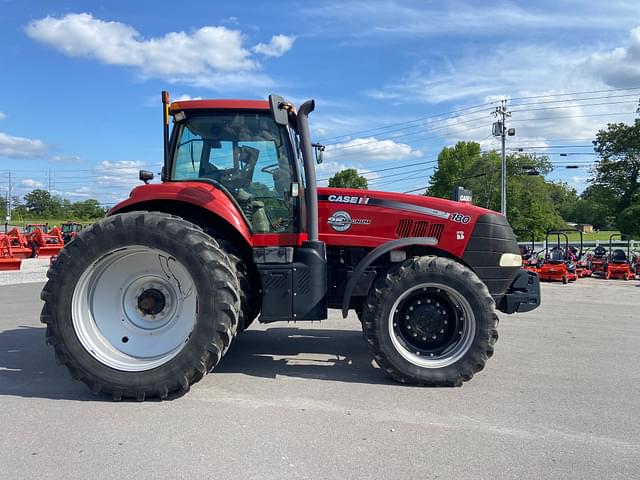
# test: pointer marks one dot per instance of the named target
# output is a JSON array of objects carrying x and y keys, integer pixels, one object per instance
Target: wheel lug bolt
[
  {"x": 434, "y": 337},
  {"x": 419, "y": 302},
  {"x": 415, "y": 334},
  {"x": 395, "y": 324},
  {"x": 446, "y": 323},
  {"x": 408, "y": 327},
  {"x": 429, "y": 301},
  {"x": 424, "y": 338},
  {"x": 460, "y": 332},
  {"x": 432, "y": 354},
  {"x": 406, "y": 317},
  {"x": 411, "y": 309},
  {"x": 417, "y": 353},
  {"x": 441, "y": 331},
  {"x": 437, "y": 304}
]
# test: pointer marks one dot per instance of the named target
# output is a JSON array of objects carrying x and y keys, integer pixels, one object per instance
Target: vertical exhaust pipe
[{"x": 311, "y": 189}]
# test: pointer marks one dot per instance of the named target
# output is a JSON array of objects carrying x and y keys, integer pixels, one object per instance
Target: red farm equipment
[
  {"x": 20, "y": 244},
  {"x": 8, "y": 261},
  {"x": 558, "y": 265},
  {"x": 148, "y": 300},
  {"x": 597, "y": 261},
  {"x": 70, "y": 231},
  {"x": 47, "y": 244},
  {"x": 619, "y": 261},
  {"x": 530, "y": 260}
]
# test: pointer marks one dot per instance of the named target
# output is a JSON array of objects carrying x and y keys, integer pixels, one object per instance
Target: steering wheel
[{"x": 271, "y": 169}]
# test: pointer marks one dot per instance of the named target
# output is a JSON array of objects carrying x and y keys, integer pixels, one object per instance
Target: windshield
[{"x": 249, "y": 155}]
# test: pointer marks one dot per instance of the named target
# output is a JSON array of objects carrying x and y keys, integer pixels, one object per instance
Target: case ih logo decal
[
  {"x": 348, "y": 199},
  {"x": 341, "y": 221}
]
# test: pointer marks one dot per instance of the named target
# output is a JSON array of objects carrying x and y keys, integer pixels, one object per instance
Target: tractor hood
[{"x": 368, "y": 218}]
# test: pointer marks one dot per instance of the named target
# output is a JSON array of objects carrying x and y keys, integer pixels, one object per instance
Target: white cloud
[
  {"x": 185, "y": 97},
  {"x": 30, "y": 183},
  {"x": 370, "y": 149},
  {"x": 211, "y": 56},
  {"x": 22, "y": 147},
  {"x": 118, "y": 174},
  {"x": 619, "y": 67},
  {"x": 396, "y": 18},
  {"x": 65, "y": 159},
  {"x": 81, "y": 192},
  {"x": 277, "y": 46}
]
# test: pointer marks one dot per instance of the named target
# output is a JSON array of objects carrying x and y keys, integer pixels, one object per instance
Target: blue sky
[{"x": 79, "y": 90}]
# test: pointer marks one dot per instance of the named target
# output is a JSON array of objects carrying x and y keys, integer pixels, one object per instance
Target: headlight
[{"x": 510, "y": 260}]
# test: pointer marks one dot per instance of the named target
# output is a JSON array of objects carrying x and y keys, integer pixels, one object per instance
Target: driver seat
[{"x": 618, "y": 256}]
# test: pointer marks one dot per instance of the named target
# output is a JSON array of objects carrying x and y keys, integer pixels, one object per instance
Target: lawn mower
[
  {"x": 148, "y": 300},
  {"x": 530, "y": 260},
  {"x": 597, "y": 262},
  {"x": 618, "y": 264},
  {"x": 557, "y": 266}
]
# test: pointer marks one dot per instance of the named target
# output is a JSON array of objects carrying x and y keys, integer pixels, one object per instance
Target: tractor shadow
[
  {"x": 311, "y": 353},
  {"x": 28, "y": 367}
]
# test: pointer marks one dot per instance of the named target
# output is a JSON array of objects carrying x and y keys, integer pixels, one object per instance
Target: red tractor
[
  {"x": 8, "y": 260},
  {"x": 20, "y": 244},
  {"x": 148, "y": 300},
  {"x": 618, "y": 264},
  {"x": 46, "y": 244},
  {"x": 70, "y": 231},
  {"x": 558, "y": 265}
]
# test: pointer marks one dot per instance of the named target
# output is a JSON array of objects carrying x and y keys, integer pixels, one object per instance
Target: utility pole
[
  {"x": 9, "y": 199},
  {"x": 500, "y": 130}
]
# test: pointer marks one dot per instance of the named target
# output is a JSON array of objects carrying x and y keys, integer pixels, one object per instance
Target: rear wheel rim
[
  {"x": 135, "y": 308},
  {"x": 432, "y": 325}
]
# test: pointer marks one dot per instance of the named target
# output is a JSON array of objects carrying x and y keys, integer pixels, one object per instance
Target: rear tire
[
  {"x": 430, "y": 321},
  {"x": 189, "y": 291}
]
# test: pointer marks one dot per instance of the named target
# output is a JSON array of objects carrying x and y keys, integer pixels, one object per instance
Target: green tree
[
  {"x": 40, "y": 203},
  {"x": 531, "y": 201},
  {"x": 629, "y": 220},
  {"x": 87, "y": 209},
  {"x": 455, "y": 164},
  {"x": 617, "y": 173},
  {"x": 348, "y": 178}
]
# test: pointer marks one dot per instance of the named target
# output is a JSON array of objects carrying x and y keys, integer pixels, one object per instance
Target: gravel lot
[{"x": 560, "y": 399}]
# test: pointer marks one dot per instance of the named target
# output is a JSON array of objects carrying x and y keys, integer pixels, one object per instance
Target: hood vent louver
[{"x": 408, "y": 227}]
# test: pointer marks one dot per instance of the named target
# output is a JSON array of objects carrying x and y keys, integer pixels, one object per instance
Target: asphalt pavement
[{"x": 560, "y": 399}]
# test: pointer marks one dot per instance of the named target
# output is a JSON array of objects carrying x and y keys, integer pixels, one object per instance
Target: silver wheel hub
[
  {"x": 135, "y": 308},
  {"x": 432, "y": 325}
]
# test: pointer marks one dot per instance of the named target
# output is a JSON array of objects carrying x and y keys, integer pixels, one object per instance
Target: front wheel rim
[
  {"x": 135, "y": 308},
  {"x": 432, "y": 325}
]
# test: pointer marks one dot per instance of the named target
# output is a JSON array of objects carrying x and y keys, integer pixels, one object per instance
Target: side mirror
[
  {"x": 145, "y": 176},
  {"x": 319, "y": 149},
  {"x": 278, "y": 113}
]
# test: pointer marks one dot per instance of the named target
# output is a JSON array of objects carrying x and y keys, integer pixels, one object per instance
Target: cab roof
[{"x": 219, "y": 105}]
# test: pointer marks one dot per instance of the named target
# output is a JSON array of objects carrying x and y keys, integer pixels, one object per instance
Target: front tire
[
  {"x": 141, "y": 304},
  {"x": 430, "y": 321}
]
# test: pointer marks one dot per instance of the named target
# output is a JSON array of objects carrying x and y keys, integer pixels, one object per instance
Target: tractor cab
[{"x": 70, "y": 231}]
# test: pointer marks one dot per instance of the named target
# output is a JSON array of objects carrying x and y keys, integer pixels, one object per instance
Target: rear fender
[{"x": 218, "y": 213}]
